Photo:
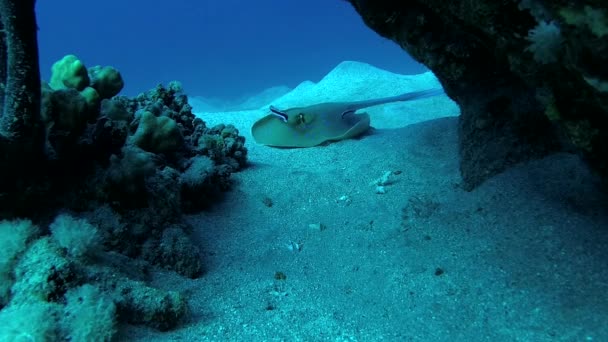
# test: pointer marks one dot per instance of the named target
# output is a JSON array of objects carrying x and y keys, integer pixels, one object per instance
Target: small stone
[
  {"x": 317, "y": 226},
  {"x": 344, "y": 200}
]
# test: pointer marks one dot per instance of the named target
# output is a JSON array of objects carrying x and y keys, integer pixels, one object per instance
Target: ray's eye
[{"x": 301, "y": 118}]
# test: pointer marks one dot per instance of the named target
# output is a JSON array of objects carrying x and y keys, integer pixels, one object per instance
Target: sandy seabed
[{"x": 304, "y": 249}]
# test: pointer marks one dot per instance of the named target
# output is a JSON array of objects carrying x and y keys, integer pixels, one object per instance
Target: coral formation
[{"x": 93, "y": 190}]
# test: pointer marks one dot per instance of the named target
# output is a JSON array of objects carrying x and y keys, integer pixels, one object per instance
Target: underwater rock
[{"x": 529, "y": 76}]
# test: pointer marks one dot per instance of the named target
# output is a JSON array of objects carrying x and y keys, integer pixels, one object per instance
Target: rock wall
[{"x": 529, "y": 76}]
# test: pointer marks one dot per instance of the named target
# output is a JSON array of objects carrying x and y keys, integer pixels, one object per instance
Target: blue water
[
  {"x": 219, "y": 49},
  {"x": 308, "y": 245}
]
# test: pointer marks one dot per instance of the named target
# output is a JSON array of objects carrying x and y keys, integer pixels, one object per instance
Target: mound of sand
[
  {"x": 351, "y": 81},
  {"x": 354, "y": 81}
]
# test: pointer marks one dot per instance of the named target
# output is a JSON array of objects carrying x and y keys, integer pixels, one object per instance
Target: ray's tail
[{"x": 409, "y": 96}]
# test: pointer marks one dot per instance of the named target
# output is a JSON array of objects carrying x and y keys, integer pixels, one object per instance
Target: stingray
[{"x": 320, "y": 123}]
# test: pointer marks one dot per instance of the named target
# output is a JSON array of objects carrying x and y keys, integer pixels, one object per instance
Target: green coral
[
  {"x": 69, "y": 72},
  {"x": 157, "y": 134},
  {"x": 91, "y": 97},
  {"x": 95, "y": 83},
  {"x": 106, "y": 80}
]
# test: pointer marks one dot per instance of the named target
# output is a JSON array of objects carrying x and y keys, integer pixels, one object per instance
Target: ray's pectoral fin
[
  {"x": 309, "y": 126},
  {"x": 354, "y": 126}
]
